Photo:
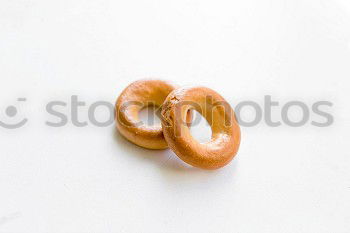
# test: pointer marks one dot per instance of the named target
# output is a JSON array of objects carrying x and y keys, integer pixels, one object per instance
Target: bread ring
[
  {"x": 135, "y": 97},
  {"x": 226, "y": 135}
]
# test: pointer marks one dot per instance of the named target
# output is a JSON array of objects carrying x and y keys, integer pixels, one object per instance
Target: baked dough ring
[
  {"x": 135, "y": 97},
  {"x": 226, "y": 134}
]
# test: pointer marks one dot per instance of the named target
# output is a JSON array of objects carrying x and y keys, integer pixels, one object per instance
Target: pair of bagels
[{"x": 177, "y": 104}]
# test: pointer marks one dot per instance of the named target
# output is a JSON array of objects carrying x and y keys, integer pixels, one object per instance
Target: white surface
[{"x": 91, "y": 180}]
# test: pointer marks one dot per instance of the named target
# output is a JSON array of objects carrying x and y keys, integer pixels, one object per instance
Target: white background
[{"x": 79, "y": 180}]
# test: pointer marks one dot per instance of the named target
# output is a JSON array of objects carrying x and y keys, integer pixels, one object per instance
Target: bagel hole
[
  {"x": 200, "y": 128},
  {"x": 150, "y": 116}
]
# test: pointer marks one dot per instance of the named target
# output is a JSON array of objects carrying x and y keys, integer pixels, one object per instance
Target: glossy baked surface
[{"x": 225, "y": 140}]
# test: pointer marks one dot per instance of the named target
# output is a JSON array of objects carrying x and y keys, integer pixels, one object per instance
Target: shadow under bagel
[{"x": 163, "y": 158}]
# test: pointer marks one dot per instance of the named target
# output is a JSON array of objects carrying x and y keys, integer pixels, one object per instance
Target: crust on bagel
[
  {"x": 135, "y": 97},
  {"x": 225, "y": 140}
]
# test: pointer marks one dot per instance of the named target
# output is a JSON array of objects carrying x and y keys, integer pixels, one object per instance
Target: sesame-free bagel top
[
  {"x": 135, "y": 97},
  {"x": 225, "y": 139}
]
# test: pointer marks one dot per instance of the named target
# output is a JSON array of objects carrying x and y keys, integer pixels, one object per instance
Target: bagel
[
  {"x": 225, "y": 140},
  {"x": 136, "y": 96}
]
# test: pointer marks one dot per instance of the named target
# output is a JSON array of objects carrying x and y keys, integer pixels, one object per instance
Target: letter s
[
  {"x": 50, "y": 109},
  {"x": 329, "y": 118}
]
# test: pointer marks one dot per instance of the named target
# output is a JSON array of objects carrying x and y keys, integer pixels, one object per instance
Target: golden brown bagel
[
  {"x": 225, "y": 139},
  {"x": 136, "y": 96}
]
